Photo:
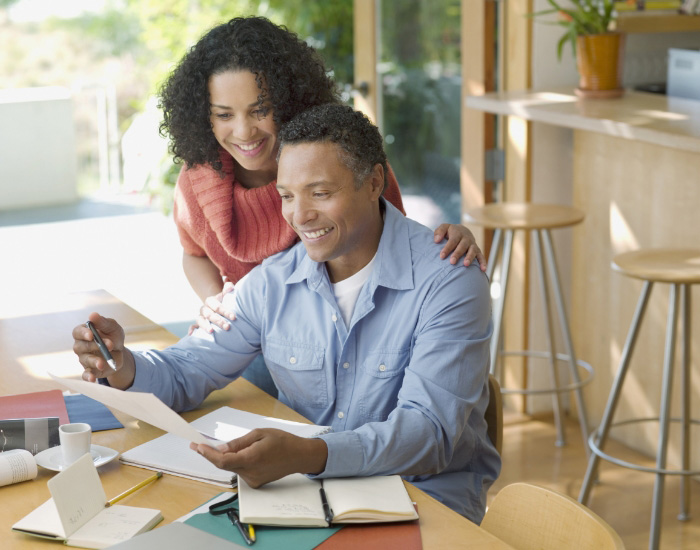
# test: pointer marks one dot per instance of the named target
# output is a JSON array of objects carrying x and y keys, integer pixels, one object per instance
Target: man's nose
[{"x": 303, "y": 212}]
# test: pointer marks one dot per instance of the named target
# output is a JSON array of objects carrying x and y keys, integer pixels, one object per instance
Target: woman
[{"x": 223, "y": 106}]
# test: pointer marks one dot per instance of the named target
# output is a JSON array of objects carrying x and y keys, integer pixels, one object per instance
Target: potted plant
[{"x": 598, "y": 50}]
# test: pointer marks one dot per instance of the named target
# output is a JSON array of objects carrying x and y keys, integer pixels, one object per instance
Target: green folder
[{"x": 267, "y": 537}]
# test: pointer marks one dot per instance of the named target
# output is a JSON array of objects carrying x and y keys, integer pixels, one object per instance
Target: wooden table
[{"x": 36, "y": 338}]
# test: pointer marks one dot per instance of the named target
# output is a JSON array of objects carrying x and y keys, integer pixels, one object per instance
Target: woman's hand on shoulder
[
  {"x": 460, "y": 242},
  {"x": 213, "y": 312}
]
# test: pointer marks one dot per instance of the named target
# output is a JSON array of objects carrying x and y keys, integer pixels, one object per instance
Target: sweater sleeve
[
  {"x": 187, "y": 215},
  {"x": 392, "y": 192}
]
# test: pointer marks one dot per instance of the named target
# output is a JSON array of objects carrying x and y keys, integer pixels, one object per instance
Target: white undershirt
[{"x": 348, "y": 290}]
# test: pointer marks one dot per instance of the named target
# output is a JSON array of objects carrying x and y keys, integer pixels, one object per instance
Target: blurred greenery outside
[{"x": 129, "y": 48}]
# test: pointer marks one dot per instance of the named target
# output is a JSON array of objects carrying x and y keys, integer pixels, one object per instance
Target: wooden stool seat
[
  {"x": 680, "y": 269},
  {"x": 518, "y": 215},
  {"x": 505, "y": 218},
  {"x": 664, "y": 265}
]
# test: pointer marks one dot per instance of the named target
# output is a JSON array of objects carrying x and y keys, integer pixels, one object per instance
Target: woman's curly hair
[{"x": 290, "y": 74}]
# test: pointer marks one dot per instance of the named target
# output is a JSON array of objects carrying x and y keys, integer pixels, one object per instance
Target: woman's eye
[{"x": 223, "y": 116}]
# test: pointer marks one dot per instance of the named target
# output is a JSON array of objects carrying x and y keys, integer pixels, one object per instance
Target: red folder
[
  {"x": 34, "y": 405},
  {"x": 375, "y": 536}
]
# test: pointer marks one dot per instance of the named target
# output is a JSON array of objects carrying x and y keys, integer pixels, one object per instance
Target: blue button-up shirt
[{"x": 404, "y": 386}]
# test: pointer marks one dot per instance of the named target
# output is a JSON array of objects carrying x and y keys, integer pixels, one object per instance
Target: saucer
[{"x": 52, "y": 459}]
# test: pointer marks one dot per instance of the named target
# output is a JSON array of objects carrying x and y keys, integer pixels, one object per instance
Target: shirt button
[
  {"x": 382, "y": 368},
  {"x": 346, "y": 365},
  {"x": 334, "y": 317},
  {"x": 341, "y": 415},
  {"x": 292, "y": 360}
]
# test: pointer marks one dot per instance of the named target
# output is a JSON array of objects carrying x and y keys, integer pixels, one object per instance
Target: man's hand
[
  {"x": 266, "y": 455},
  {"x": 91, "y": 358}
]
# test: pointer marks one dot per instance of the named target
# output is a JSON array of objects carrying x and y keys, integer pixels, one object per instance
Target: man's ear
[{"x": 376, "y": 181}]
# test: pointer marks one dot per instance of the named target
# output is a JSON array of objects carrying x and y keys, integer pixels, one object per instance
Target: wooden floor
[{"x": 623, "y": 496}]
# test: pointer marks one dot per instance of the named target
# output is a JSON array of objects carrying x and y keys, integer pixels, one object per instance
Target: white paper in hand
[{"x": 144, "y": 406}]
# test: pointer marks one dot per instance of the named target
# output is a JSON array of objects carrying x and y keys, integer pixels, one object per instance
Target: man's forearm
[{"x": 124, "y": 377}]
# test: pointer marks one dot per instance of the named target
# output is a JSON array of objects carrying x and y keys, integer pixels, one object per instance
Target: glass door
[{"x": 418, "y": 103}]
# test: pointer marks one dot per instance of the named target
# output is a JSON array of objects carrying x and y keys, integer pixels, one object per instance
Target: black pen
[
  {"x": 100, "y": 344},
  {"x": 326, "y": 507},
  {"x": 233, "y": 516}
]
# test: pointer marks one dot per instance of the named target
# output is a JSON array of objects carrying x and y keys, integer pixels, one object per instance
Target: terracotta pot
[{"x": 599, "y": 58}]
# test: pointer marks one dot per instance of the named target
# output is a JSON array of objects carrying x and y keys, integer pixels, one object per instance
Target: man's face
[{"x": 337, "y": 223}]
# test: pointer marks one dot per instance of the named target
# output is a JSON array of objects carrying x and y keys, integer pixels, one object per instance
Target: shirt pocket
[
  {"x": 297, "y": 369},
  {"x": 381, "y": 379}
]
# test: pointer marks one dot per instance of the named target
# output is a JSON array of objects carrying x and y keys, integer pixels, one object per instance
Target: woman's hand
[
  {"x": 213, "y": 312},
  {"x": 460, "y": 242}
]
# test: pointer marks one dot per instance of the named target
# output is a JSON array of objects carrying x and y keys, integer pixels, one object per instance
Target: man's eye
[{"x": 320, "y": 194}]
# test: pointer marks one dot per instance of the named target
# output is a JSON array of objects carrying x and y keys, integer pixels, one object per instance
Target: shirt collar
[{"x": 393, "y": 267}]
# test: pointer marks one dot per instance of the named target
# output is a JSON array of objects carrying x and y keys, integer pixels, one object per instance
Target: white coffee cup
[{"x": 75, "y": 441}]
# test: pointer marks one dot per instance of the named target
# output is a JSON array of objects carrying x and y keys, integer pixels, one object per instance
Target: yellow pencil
[
  {"x": 251, "y": 532},
  {"x": 134, "y": 488}
]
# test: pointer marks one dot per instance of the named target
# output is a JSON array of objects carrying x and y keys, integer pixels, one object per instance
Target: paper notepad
[
  {"x": 76, "y": 513},
  {"x": 172, "y": 454},
  {"x": 296, "y": 500}
]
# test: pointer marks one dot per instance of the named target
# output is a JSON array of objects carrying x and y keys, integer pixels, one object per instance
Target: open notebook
[
  {"x": 172, "y": 454},
  {"x": 76, "y": 513},
  {"x": 296, "y": 500}
]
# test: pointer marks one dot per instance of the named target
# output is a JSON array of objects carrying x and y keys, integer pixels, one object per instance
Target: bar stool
[
  {"x": 506, "y": 218},
  {"x": 680, "y": 268}
]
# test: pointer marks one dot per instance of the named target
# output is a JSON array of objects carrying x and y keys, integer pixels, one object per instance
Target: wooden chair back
[
  {"x": 494, "y": 414},
  {"x": 529, "y": 517}
]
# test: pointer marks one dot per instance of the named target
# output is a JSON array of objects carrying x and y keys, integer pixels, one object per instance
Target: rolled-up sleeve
[{"x": 184, "y": 374}]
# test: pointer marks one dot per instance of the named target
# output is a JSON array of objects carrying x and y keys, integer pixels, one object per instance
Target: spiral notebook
[{"x": 172, "y": 454}]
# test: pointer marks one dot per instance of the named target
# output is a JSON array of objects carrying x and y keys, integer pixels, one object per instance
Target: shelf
[{"x": 656, "y": 21}]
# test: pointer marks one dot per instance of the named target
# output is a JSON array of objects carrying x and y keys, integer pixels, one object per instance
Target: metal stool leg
[
  {"x": 666, "y": 389},
  {"x": 601, "y": 434},
  {"x": 684, "y": 514},
  {"x": 566, "y": 334},
  {"x": 498, "y": 316},
  {"x": 544, "y": 290},
  {"x": 493, "y": 255}
]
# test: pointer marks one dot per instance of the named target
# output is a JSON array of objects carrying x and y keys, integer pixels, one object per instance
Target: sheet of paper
[
  {"x": 144, "y": 406},
  {"x": 78, "y": 494}
]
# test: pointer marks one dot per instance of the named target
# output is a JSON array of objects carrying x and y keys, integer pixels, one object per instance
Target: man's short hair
[{"x": 360, "y": 143}]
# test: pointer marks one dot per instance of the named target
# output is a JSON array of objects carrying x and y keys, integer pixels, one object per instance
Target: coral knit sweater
[{"x": 235, "y": 227}]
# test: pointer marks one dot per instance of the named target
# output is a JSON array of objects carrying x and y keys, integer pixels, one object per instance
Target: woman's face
[{"x": 238, "y": 123}]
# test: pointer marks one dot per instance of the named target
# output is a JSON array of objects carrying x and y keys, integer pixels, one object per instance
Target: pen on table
[
  {"x": 326, "y": 507},
  {"x": 100, "y": 344},
  {"x": 135, "y": 488},
  {"x": 249, "y": 535}
]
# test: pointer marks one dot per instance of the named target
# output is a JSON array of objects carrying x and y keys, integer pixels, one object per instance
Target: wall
[
  {"x": 37, "y": 147},
  {"x": 552, "y": 149}
]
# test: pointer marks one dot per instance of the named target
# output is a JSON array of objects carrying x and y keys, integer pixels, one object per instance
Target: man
[{"x": 362, "y": 326}]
